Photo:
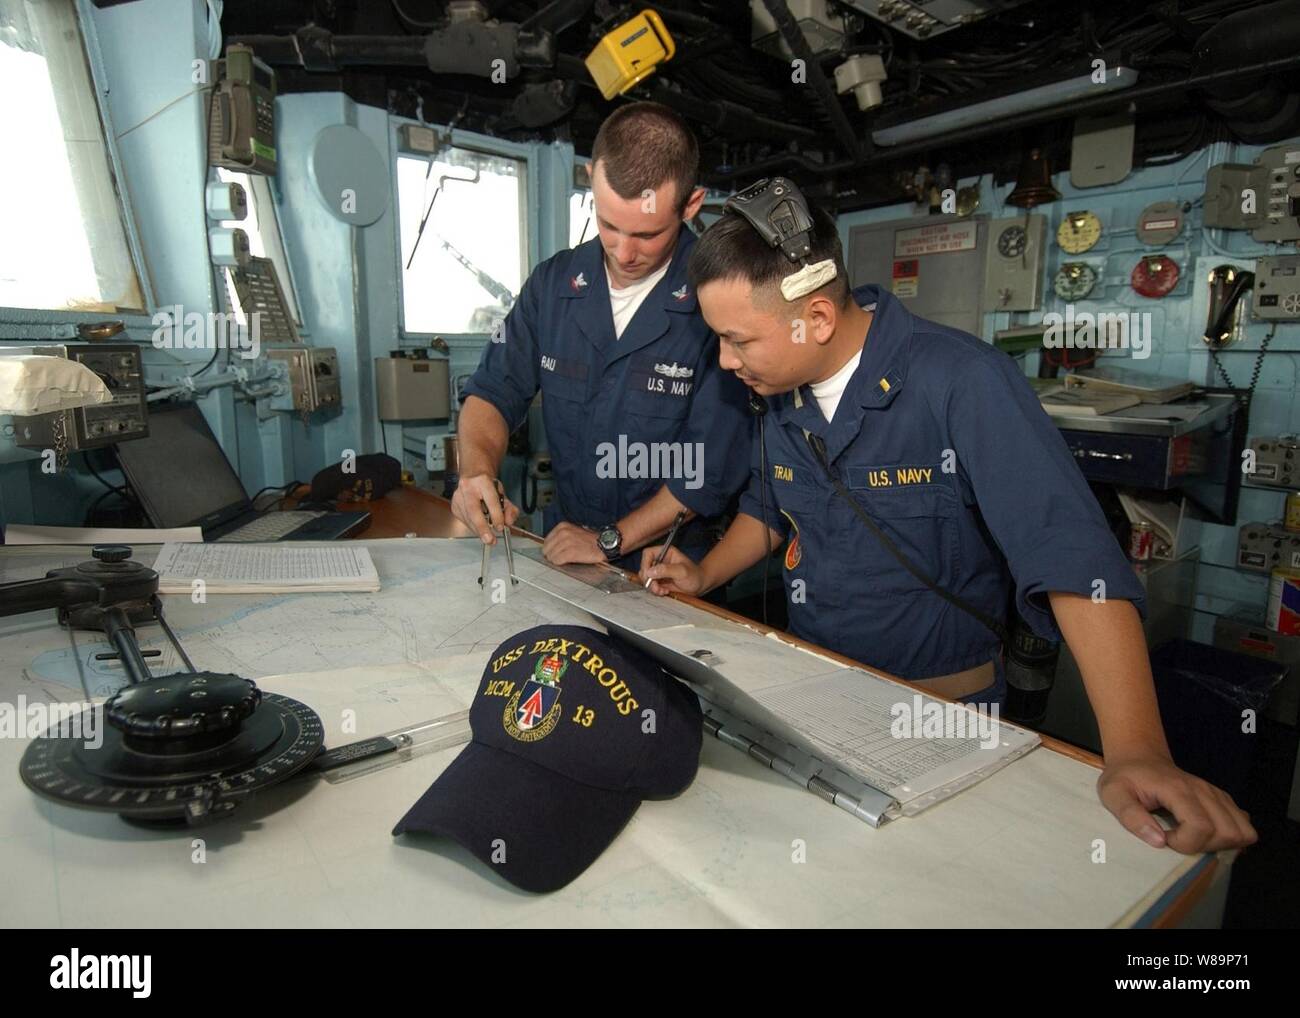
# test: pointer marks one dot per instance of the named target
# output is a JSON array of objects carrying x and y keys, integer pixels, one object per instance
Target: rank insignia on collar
[
  {"x": 578, "y": 282},
  {"x": 681, "y": 293}
]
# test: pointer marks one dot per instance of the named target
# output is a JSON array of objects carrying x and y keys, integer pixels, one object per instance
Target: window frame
[
  {"x": 480, "y": 144},
  {"x": 585, "y": 194},
  {"x": 21, "y": 323}
]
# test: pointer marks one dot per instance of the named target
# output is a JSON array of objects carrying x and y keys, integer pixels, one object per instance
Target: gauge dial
[
  {"x": 1074, "y": 281},
  {"x": 1078, "y": 232},
  {"x": 1012, "y": 241},
  {"x": 1154, "y": 276}
]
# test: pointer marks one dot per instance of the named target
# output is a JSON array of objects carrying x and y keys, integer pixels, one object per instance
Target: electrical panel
[
  {"x": 1277, "y": 288},
  {"x": 1013, "y": 267},
  {"x": 313, "y": 379},
  {"x": 1263, "y": 547},
  {"x": 91, "y": 427},
  {"x": 1281, "y": 200},
  {"x": 933, "y": 264},
  {"x": 1277, "y": 462},
  {"x": 1262, "y": 197}
]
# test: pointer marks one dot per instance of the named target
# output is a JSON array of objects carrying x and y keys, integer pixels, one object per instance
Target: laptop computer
[{"x": 183, "y": 479}]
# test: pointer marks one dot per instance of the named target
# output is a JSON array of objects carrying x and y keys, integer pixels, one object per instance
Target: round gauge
[
  {"x": 1078, "y": 232},
  {"x": 1012, "y": 241},
  {"x": 1074, "y": 281},
  {"x": 1154, "y": 276},
  {"x": 1160, "y": 223}
]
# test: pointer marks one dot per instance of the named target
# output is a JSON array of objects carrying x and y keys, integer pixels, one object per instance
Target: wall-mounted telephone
[
  {"x": 1228, "y": 284},
  {"x": 241, "y": 127}
]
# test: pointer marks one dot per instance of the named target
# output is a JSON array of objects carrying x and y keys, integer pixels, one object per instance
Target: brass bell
[{"x": 1033, "y": 182}]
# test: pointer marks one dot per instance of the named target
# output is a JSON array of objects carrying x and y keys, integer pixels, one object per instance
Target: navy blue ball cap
[{"x": 572, "y": 730}]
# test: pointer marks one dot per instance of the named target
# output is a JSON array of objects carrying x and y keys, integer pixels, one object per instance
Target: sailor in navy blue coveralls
[
  {"x": 943, "y": 442},
  {"x": 659, "y": 382},
  {"x": 938, "y": 439}
]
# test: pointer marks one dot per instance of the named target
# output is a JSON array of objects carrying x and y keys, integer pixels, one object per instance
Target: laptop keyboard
[{"x": 271, "y": 526}]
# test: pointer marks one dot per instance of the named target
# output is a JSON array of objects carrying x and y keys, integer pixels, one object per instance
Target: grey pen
[{"x": 668, "y": 542}]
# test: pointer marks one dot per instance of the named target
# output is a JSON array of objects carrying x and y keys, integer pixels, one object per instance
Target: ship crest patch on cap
[{"x": 533, "y": 711}]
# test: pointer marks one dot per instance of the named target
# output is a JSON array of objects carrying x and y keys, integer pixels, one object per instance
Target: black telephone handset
[{"x": 1228, "y": 284}]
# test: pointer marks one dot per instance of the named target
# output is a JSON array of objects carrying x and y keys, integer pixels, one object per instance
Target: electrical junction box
[
  {"x": 1263, "y": 547},
  {"x": 1277, "y": 288},
  {"x": 313, "y": 382},
  {"x": 1262, "y": 197},
  {"x": 1280, "y": 202},
  {"x": 1277, "y": 462},
  {"x": 412, "y": 388},
  {"x": 1013, "y": 267}
]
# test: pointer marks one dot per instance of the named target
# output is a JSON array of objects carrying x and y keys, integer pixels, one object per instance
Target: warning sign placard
[
  {"x": 937, "y": 239},
  {"x": 906, "y": 276}
]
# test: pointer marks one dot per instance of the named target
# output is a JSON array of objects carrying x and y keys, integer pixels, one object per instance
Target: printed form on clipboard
[{"x": 870, "y": 746}]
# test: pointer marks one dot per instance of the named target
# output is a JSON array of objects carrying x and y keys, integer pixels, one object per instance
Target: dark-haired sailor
[{"x": 937, "y": 438}]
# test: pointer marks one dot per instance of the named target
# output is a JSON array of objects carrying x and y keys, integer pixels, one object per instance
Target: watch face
[
  {"x": 1011, "y": 242},
  {"x": 608, "y": 539}
]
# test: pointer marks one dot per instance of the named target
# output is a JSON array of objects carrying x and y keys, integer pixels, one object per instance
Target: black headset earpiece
[{"x": 777, "y": 209}]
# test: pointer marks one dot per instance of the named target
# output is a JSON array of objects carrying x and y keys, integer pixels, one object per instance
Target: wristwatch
[{"x": 609, "y": 539}]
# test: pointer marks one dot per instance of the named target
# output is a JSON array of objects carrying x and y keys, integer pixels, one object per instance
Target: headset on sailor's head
[{"x": 777, "y": 209}]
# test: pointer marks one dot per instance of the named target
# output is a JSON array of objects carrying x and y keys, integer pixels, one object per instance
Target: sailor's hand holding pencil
[
  {"x": 676, "y": 573},
  {"x": 665, "y": 569}
]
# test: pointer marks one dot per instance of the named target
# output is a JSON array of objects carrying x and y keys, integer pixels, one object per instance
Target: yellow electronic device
[{"x": 630, "y": 53}]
